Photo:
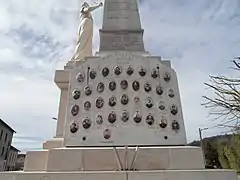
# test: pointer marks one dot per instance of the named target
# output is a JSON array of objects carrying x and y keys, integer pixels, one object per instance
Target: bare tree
[{"x": 224, "y": 105}]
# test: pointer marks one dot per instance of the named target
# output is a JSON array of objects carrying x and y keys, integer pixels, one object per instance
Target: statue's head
[{"x": 85, "y": 4}]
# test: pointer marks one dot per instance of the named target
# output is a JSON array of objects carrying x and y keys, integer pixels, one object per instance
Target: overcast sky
[{"x": 38, "y": 36}]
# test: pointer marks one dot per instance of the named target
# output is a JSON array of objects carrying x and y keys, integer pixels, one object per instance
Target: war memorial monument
[{"x": 120, "y": 114}]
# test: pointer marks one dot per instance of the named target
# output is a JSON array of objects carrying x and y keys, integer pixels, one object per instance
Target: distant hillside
[
  {"x": 221, "y": 151},
  {"x": 221, "y": 138}
]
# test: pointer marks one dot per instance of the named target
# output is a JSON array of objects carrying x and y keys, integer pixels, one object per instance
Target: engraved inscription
[
  {"x": 122, "y": 41},
  {"x": 119, "y": 6},
  {"x": 118, "y": 10}
]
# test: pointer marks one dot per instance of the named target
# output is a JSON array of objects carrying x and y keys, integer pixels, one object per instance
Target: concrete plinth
[
  {"x": 110, "y": 159},
  {"x": 53, "y": 143},
  {"x": 36, "y": 160}
]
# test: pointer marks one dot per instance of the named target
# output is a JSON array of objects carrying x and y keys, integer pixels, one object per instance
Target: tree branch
[{"x": 224, "y": 104}]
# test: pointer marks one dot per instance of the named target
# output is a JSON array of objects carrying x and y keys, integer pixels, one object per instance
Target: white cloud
[
  {"x": 5, "y": 23},
  {"x": 29, "y": 105},
  {"x": 7, "y": 55},
  {"x": 200, "y": 38},
  {"x": 38, "y": 36}
]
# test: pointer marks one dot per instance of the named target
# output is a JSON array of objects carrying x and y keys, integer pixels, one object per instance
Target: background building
[
  {"x": 20, "y": 162},
  {"x": 8, "y": 153},
  {"x": 12, "y": 158}
]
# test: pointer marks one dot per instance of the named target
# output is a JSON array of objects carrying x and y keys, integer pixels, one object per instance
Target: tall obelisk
[{"x": 121, "y": 29}]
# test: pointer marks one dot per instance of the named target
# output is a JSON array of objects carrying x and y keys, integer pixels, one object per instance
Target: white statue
[{"x": 85, "y": 32}]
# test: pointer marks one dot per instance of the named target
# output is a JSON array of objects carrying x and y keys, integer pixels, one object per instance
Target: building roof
[
  {"x": 21, "y": 155},
  {"x": 14, "y": 149},
  {"x": 6, "y": 125}
]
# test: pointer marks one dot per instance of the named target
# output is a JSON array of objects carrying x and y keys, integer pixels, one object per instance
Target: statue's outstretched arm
[{"x": 90, "y": 9}]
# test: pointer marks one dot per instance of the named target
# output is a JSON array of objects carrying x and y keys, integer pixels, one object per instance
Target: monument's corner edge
[{"x": 61, "y": 78}]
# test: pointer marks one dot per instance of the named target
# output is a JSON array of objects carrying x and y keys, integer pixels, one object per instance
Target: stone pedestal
[
  {"x": 166, "y": 127},
  {"x": 62, "y": 81},
  {"x": 154, "y": 163},
  {"x": 136, "y": 125}
]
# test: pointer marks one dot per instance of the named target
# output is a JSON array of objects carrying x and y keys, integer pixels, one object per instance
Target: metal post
[
  {"x": 126, "y": 158},
  {"x": 118, "y": 159},
  {"x": 201, "y": 143},
  {"x": 88, "y": 70},
  {"x": 134, "y": 158},
  {"x": 83, "y": 160}
]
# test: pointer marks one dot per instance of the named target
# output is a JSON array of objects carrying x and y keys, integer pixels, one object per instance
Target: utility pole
[{"x": 201, "y": 142}]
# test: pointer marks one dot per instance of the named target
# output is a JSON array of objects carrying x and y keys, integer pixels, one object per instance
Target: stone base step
[{"x": 124, "y": 175}]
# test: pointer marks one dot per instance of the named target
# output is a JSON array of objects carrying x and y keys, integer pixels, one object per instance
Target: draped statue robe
[{"x": 85, "y": 34}]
